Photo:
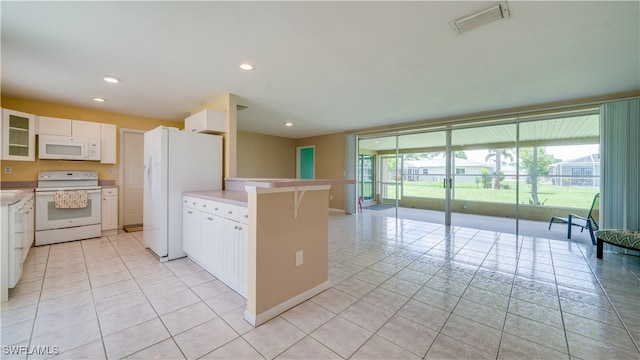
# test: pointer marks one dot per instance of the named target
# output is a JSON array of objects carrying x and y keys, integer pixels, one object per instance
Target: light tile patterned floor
[{"x": 401, "y": 289}]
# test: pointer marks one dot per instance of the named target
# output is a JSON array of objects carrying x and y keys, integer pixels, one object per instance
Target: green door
[{"x": 306, "y": 162}]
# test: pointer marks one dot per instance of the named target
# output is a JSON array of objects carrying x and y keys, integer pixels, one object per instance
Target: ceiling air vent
[{"x": 496, "y": 12}]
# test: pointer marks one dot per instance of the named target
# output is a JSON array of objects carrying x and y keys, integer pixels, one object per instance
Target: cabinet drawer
[
  {"x": 212, "y": 207},
  {"x": 204, "y": 205},
  {"x": 191, "y": 202},
  {"x": 236, "y": 213},
  {"x": 109, "y": 191}
]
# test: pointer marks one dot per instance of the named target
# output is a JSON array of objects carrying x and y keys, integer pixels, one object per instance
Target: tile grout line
[
  {"x": 35, "y": 316},
  {"x": 636, "y": 343},
  {"x": 148, "y": 302},
  {"x": 95, "y": 305}
]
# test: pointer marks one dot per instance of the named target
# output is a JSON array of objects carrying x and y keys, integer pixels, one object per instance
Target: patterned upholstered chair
[{"x": 628, "y": 239}]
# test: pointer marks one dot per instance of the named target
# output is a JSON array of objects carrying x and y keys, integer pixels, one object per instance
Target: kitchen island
[{"x": 286, "y": 236}]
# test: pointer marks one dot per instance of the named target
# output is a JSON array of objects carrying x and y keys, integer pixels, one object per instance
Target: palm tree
[{"x": 498, "y": 154}]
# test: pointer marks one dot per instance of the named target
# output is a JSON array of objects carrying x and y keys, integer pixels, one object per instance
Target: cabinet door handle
[
  {"x": 239, "y": 227},
  {"x": 204, "y": 205},
  {"x": 189, "y": 212},
  {"x": 209, "y": 218},
  {"x": 216, "y": 209}
]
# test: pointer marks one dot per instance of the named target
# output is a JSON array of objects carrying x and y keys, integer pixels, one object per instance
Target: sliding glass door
[
  {"x": 424, "y": 185},
  {"x": 511, "y": 175},
  {"x": 366, "y": 176},
  {"x": 485, "y": 178},
  {"x": 560, "y": 172}
]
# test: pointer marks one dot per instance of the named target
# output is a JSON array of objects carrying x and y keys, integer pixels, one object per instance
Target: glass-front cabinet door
[{"x": 18, "y": 136}]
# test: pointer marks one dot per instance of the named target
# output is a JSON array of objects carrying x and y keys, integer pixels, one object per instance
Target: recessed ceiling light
[
  {"x": 111, "y": 79},
  {"x": 288, "y": 124},
  {"x": 97, "y": 99},
  {"x": 246, "y": 66}
]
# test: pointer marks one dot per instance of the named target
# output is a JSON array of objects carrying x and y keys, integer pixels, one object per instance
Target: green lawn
[{"x": 549, "y": 195}]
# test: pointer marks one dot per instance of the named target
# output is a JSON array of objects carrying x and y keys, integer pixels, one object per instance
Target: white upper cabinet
[
  {"x": 65, "y": 127},
  {"x": 53, "y": 126},
  {"x": 85, "y": 129},
  {"x": 107, "y": 144},
  {"x": 18, "y": 136},
  {"x": 207, "y": 121}
]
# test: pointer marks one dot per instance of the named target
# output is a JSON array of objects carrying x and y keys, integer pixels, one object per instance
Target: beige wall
[
  {"x": 28, "y": 171},
  {"x": 329, "y": 161},
  {"x": 265, "y": 156},
  {"x": 273, "y": 276}
]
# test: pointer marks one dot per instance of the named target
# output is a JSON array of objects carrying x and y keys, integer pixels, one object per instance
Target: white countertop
[
  {"x": 231, "y": 197},
  {"x": 12, "y": 196}
]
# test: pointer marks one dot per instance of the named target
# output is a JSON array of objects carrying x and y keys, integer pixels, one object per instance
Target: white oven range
[{"x": 55, "y": 223}]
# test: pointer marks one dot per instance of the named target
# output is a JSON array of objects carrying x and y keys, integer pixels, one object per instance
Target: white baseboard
[{"x": 259, "y": 319}]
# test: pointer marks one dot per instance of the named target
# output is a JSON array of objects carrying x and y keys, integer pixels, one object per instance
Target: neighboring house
[
  {"x": 584, "y": 171},
  {"x": 434, "y": 170}
]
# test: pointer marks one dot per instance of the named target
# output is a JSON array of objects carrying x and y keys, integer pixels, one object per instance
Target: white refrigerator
[{"x": 174, "y": 162}]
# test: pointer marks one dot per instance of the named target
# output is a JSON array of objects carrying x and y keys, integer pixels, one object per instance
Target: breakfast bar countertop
[{"x": 238, "y": 184}]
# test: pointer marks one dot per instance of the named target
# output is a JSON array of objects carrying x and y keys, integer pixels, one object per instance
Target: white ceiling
[{"x": 325, "y": 66}]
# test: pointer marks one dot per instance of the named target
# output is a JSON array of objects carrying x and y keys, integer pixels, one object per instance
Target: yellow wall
[
  {"x": 28, "y": 171},
  {"x": 329, "y": 161},
  {"x": 265, "y": 156}
]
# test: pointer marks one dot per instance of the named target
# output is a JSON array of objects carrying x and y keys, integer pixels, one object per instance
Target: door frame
[{"x": 121, "y": 170}]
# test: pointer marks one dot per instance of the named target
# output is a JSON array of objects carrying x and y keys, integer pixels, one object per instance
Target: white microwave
[{"x": 68, "y": 148}]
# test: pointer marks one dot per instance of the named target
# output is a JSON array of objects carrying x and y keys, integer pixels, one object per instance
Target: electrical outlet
[
  {"x": 299, "y": 259},
  {"x": 8, "y": 169},
  {"x": 112, "y": 171},
  {"x": 330, "y": 197}
]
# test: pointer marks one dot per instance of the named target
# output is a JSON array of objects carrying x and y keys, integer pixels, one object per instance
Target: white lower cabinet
[
  {"x": 109, "y": 209},
  {"x": 190, "y": 231},
  {"x": 213, "y": 231},
  {"x": 235, "y": 249},
  {"x": 213, "y": 238}
]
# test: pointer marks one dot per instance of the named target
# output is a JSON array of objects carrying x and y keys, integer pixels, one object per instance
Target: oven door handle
[{"x": 54, "y": 192}]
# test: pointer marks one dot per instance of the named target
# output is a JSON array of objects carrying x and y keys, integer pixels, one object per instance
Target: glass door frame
[
  {"x": 518, "y": 137},
  {"x": 361, "y": 176}
]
